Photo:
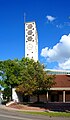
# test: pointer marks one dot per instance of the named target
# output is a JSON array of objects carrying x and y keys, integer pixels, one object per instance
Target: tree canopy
[
  {"x": 34, "y": 77},
  {"x": 26, "y": 75}
]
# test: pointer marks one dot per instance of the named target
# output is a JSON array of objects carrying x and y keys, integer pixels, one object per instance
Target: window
[
  {"x": 29, "y": 32},
  {"x": 33, "y": 40},
  {"x": 29, "y": 26},
  {"x": 29, "y": 38}
]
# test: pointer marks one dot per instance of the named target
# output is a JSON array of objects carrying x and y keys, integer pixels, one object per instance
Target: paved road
[{"x": 7, "y": 114}]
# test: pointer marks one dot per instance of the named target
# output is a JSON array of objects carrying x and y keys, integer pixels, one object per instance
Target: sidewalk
[
  {"x": 6, "y": 108},
  {"x": 25, "y": 108}
]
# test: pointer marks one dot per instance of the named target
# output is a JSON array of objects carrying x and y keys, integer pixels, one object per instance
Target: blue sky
[{"x": 53, "y": 24}]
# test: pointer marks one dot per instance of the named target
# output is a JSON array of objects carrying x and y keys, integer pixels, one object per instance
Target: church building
[
  {"x": 60, "y": 92},
  {"x": 31, "y": 41}
]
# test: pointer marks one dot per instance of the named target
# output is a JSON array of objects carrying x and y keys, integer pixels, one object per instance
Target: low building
[
  {"x": 57, "y": 72},
  {"x": 60, "y": 92}
]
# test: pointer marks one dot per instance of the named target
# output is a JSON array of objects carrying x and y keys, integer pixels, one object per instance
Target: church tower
[{"x": 31, "y": 40}]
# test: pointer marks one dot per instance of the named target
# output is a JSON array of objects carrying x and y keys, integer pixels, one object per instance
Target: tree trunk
[{"x": 38, "y": 100}]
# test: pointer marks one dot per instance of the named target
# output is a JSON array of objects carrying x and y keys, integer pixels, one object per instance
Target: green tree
[
  {"x": 27, "y": 74},
  {"x": 7, "y": 94},
  {"x": 10, "y": 74},
  {"x": 28, "y": 82},
  {"x": 34, "y": 78}
]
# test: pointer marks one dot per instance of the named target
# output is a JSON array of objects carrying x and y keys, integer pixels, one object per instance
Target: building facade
[
  {"x": 31, "y": 50},
  {"x": 57, "y": 72},
  {"x": 31, "y": 41},
  {"x": 60, "y": 92}
]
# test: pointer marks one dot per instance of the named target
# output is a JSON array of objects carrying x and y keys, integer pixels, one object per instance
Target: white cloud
[
  {"x": 60, "y": 53},
  {"x": 56, "y": 23},
  {"x": 50, "y": 18},
  {"x": 65, "y": 65}
]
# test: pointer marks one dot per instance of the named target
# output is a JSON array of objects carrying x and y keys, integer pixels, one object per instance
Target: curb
[{"x": 3, "y": 107}]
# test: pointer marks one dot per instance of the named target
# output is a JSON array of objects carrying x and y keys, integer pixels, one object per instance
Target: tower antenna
[{"x": 24, "y": 18}]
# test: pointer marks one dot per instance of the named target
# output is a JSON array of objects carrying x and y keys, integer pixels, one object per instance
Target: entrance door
[{"x": 54, "y": 98}]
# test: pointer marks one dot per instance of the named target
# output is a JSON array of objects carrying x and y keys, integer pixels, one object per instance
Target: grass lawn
[{"x": 51, "y": 114}]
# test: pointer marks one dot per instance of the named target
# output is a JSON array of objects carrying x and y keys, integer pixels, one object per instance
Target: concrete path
[{"x": 15, "y": 114}]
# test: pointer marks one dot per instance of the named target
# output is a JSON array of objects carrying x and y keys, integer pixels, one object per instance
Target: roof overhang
[{"x": 58, "y": 88}]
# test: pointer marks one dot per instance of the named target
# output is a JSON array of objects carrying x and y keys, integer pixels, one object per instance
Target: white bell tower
[{"x": 31, "y": 41}]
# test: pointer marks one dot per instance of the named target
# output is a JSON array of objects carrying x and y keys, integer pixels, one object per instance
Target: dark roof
[{"x": 62, "y": 81}]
